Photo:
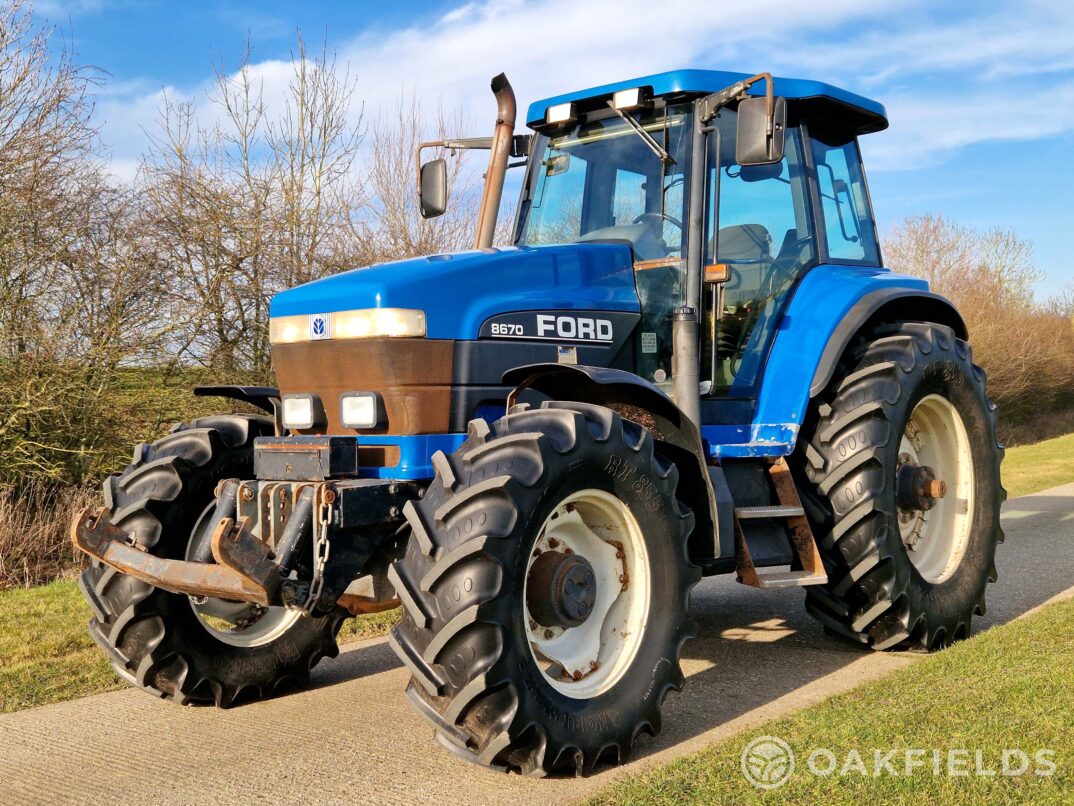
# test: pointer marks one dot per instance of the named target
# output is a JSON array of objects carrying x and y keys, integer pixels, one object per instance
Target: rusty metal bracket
[
  {"x": 235, "y": 547},
  {"x": 358, "y": 605},
  {"x": 248, "y": 575}
]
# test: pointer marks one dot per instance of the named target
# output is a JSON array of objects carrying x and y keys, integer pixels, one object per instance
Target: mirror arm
[
  {"x": 711, "y": 104},
  {"x": 455, "y": 144}
]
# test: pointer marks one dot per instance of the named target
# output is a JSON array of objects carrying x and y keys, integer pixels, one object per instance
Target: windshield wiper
[{"x": 657, "y": 149}]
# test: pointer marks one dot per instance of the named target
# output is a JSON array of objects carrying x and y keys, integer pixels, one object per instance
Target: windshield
[{"x": 600, "y": 180}]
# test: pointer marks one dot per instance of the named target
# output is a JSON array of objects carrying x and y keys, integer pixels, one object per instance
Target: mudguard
[
  {"x": 830, "y": 305},
  {"x": 634, "y": 398}
]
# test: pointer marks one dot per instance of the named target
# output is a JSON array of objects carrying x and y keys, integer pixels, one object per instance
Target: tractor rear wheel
[
  {"x": 191, "y": 649},
  {"x": 902, "y": 481},
  {"x": 545, "y": 589}
]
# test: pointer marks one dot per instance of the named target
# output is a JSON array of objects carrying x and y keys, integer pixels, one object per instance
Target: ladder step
[
  {"x": 745, "y": 513},
  {"x": 788, "y": 579}
]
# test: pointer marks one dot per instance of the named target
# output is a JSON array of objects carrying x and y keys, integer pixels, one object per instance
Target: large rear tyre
[
  {"x": 902, "y": 470},
  {"x": 183, "y": 648},
  {"x": 545, "y": 589}
]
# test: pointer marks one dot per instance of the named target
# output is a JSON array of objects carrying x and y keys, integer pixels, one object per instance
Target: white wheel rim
[
  {"x": 238, "y": 624},
  {"x": 936, "y": 538},
  {"x": 594, "y": 655}
]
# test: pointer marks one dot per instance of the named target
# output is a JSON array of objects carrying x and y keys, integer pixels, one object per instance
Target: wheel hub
[
  {"x": 917, "y": 487},
  {"x": 561, "y": 589},
  {"x": 934, "y": 488},
  {"x": 586, "y": 592}
]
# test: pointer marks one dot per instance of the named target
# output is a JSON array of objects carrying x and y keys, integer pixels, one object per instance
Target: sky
[{"x": 980, "y": 95}]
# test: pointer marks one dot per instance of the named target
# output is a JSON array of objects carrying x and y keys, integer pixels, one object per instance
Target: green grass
[
  {"x": 1031, "y": 468},
  {"x": 370, "y": 626},
  {"x": 46, "y": 654},
  {"x": 1010, "y": 687}
]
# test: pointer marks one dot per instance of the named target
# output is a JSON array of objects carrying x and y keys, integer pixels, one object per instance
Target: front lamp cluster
[
  {"x": 366, "y": 323},
  {"x": 301, "y": 412}
]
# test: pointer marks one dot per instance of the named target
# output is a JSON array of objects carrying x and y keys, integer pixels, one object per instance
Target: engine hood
[{"x": 459, "y": 291}]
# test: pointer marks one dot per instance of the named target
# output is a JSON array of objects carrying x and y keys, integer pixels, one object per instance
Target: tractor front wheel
[{"x": 545, "y": 589}]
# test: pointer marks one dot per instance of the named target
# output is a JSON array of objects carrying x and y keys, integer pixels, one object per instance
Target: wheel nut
[
  {"x": 548, "y": 634},
  {"x": 553, "y": 543},
  {"x": 533, "y": 625},
  {"x": 577, "y": 675}
]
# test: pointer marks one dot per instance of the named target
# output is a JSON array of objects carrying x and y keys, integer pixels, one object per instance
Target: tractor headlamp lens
[
  {"x": 302, "y": 412},
  {"x": 361, "y": 324},
  {"x": 288, "y": 329},
  {"x": 360, "y": 410}
]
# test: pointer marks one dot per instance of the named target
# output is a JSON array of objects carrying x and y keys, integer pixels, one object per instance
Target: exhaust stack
[{"x": 502, "y": 139}]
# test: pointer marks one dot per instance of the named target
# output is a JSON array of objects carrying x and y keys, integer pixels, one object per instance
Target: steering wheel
[{"x": 658, "y": 218}]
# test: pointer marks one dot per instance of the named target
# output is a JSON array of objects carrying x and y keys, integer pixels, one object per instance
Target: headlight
[
  {"x": 361, "y": 410},
  {"x": 301, "y": 412},
  {"x": 361, "y": 324}
]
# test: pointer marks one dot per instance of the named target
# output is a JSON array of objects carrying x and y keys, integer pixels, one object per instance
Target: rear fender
[
  {"x": 876, "y": 307},
  {"x": 635, "y": 399},
  {"x": 829, "y": 308}
]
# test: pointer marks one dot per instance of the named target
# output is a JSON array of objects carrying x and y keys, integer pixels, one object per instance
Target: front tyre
[
  {"x": 545, "y": 589},
  {"x": 902, "y": 469},
  {"x": 183, "y": 648}
]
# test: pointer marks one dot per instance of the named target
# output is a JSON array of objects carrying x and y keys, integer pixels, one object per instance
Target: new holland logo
[{"x": 319, "y": 326}]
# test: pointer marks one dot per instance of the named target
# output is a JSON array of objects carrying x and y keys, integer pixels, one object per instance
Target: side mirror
[
  {"x": 760, "y": 137},
  {"x": 432, "y": 188}
]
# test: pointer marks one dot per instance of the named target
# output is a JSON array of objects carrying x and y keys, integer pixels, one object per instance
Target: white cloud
[{"x": 949, "y": 77}]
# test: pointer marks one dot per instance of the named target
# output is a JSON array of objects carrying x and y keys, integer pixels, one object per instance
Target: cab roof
[{"x": 836, "y": 106}]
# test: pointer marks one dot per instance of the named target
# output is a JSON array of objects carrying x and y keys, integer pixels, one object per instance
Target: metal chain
[{"x": 320, "y": 554}]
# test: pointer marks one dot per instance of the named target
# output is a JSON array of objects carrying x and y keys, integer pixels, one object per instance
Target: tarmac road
[{"x": 353, "y": 739}]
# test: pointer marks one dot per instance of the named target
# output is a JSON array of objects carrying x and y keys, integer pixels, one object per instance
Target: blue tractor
[{"x": 691, "y": 361}]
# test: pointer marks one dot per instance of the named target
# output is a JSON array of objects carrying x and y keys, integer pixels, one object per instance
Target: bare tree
[
  {"x": 391, "y": 226},
  {"x": 253, "y": 203},
  {"x": 1026, "y": 346}
]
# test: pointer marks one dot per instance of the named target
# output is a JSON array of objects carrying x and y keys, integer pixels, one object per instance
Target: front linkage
[{"x": 296, "y": 536}]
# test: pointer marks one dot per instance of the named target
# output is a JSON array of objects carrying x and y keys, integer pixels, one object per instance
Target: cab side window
[{"x": 848, "y": 221}]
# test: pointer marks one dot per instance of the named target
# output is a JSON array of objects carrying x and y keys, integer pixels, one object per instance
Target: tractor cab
[{"x": 616, "y": 164}]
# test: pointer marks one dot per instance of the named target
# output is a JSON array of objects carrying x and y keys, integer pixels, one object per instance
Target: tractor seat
[
  {"x": 747, "y": 248},
  {"x": 646, "y": 243}
]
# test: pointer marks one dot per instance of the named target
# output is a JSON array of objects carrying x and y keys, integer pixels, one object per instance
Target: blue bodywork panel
[
  {"x": 874, "y": 116},
  {"x": 818, "y": 305},
  {"x": 460, "y": 291},
  {"x": 824, "y": 296},
  {"x": 415, "y": 454}
]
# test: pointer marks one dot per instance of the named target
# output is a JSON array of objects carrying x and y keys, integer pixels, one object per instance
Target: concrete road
[{"x": 352, "y": 738}]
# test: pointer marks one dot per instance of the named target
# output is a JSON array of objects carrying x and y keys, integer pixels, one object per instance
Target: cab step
[
  {"x": 788, "y": 579},
  {"x": 746, "y": 513},
  {"x": 799, "y": 532}
]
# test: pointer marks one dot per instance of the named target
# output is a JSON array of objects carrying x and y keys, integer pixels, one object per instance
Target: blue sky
[{"x": 980, "y": 94}]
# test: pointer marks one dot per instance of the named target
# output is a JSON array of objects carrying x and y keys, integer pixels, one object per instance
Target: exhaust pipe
[{"x": 502, "y": 139}]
